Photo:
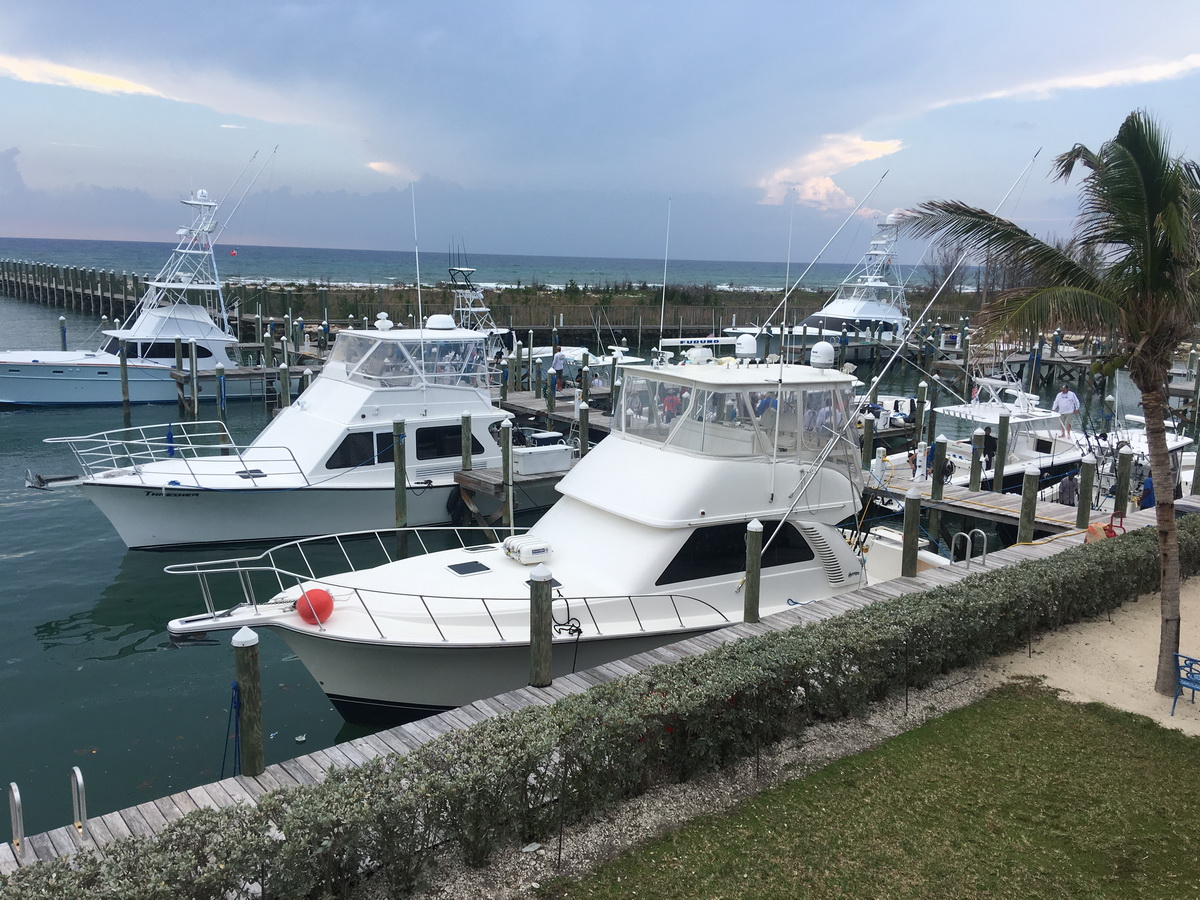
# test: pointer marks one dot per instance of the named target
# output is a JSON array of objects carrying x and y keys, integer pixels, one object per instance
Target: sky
[{"x": 619, "y": 128}]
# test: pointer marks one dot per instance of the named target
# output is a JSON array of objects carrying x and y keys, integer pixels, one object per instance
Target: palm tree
[{"x": 1140, "y": 221}]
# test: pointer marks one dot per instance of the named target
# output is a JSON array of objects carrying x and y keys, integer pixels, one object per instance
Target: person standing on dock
[
  {"x": 556, "y": 368},
  {"x": 989, "y": 447},
  {"x": 1066, "y": 404}
]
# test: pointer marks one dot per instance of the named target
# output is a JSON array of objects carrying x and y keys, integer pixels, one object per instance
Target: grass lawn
[{"x": 1020, "y": 795}]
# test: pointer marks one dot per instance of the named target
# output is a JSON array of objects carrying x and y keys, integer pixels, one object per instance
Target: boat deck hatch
[
  {"x": 251, "y": 473},
  {"x": 473, "y": 567}
]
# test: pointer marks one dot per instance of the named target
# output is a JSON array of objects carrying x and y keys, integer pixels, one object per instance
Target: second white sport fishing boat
[
  {"x": 183, "y": 301},
  {"x": 645, "y": 547},
  {"x": 325, "y": 463}
]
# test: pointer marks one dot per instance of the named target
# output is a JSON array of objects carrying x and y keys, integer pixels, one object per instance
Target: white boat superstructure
[
  {"x": 325, "y": 463},
  {"x": 646, "y": 546},
  {"x": 1032, "y": 437},
  {"x": 1106, "y": 446},
  {"x": 183, "y": 301}
]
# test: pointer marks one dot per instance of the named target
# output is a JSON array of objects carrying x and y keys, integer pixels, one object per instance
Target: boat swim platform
[
  {"x": 1004, "y": 508},
  {"x": 150, "y": 817}
]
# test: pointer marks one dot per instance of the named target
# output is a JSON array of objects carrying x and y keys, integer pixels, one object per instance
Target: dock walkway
[
  {"x": 148, "y": 818},
  {"x": 991, "y": 505}
]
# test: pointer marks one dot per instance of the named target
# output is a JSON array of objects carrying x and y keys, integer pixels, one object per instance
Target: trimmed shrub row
[{"x": 518, "y": 777}]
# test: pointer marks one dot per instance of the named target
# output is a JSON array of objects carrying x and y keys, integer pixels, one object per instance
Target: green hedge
[{"x": 518, "y": 777}]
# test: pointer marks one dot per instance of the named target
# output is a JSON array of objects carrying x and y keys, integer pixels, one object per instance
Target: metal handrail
[
  {"x": 18, "y": 819},
  {"x": 969, "y": 538},
  {"x": 131, "y": 448},
  {"x": 78, "y": 800},
  {"x": 289, "y": 578}
]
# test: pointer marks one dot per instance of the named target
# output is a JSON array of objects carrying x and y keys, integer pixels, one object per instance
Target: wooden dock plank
[
  {"x": 285, "y": 778},
  {"x": 99, "y": 833},
  {"x": 8, "y": 859},
  {"x": 237, "y": 792},
  {"x": 136, "y": 822},
  {"x": 353, "y": 754},
  {"x": 65, "y": 840},
  {"x": 153, "y": 816},
  {"x": 39, "y": 848},
  {"x": 301, "y": 773}
]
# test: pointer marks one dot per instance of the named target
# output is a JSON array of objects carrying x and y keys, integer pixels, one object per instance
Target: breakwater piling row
[{"x": 92, "y": 291}]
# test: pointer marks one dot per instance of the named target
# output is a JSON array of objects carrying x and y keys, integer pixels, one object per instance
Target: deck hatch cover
[{"x": 471, "y": 567}]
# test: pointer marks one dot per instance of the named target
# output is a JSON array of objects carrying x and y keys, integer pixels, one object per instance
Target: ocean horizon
[{"x": 311, "y": 265}]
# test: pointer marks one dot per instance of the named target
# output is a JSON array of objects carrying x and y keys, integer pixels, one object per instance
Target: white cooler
[{"x": 541, "y": 460}]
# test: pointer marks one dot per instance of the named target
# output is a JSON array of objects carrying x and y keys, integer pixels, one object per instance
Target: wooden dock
[
  {"x": 994, "y": 506},
  {"x": 148, "y": 818}
]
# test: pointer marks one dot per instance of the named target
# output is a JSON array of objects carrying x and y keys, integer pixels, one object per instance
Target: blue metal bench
[{"x": 1187, "y": 677}]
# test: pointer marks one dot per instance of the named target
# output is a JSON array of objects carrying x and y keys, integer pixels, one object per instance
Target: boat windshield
[
  {"x": 392, "y": 362},
  {"x": 792, "y": 423}
]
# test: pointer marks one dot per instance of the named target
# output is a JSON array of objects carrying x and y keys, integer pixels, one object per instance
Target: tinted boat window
[
  {"x": 165, "y": 350},
  {"x": 442, "y": 441},
  {"x": 721, "y": 550},
  {"x": 357, "y": 448}
]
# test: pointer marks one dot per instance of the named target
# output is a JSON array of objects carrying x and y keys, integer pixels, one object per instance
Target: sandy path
[{"x": 1114, "y": 662}]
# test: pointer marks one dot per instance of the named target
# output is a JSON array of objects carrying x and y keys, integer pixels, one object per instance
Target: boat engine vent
[{"x": 829, "y": 559}]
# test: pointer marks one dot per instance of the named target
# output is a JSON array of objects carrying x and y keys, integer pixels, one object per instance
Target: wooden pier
[
  {"x": 994, "y": 506},
  {"x": 148, "y": 818}
]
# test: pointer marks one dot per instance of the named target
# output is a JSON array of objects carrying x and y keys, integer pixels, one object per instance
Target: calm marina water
[{"x": 88, "y": 675}]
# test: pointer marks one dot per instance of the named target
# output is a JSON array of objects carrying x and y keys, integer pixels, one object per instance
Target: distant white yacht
[
  {"x": 182, "y": 301},
  {"x": 871, "y": 298}
]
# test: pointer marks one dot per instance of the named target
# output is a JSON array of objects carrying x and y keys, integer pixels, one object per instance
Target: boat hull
[
  {"x": 395, "y": 683},
  {"x": 148, "y": 517},
  {"x": 89, "y": 384}
]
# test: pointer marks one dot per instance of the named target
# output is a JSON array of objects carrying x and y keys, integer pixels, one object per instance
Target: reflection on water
[{"x": 128, "y": 618}]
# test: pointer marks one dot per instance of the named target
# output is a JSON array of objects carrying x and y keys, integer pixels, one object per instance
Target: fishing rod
[
  {"x": 662, "y": 310},
  {"x": 420, "y": 311}
]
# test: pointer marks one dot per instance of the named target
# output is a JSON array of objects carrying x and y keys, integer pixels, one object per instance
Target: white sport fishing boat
[
  {"x": 325, "y": 463},
  {"x": 183, "y": 301},
  {"x": 870, "y": 299},
  {"x": 645, "y": 547},
  {"x": 1033, "y": 438}
]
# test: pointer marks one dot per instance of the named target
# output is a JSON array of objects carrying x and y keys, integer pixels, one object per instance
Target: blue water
[{"x": 307, "y": 265}]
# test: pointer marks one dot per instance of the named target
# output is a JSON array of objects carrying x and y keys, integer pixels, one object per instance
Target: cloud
[
  {"x": 389, "y": 168},
  {"x": 1041, "y": 90},
  {"x": 811, "y": 176},
  {"x": 39, "y": 71},
  {"x": 238, "y": 127},
  {"x": 10, "y": 176}
]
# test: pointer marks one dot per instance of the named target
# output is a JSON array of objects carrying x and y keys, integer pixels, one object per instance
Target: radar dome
[
  {"x": 202, "y": 194},
  {"x": 822, "y": 355},
  {"x": 441, "y": 322},
  {"x": 746, "y": 347}
]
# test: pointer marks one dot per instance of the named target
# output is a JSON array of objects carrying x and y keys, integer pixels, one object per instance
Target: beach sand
[{"x": 1114, "y": 662}]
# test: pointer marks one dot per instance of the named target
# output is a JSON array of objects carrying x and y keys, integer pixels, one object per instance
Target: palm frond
[{"x": 1035, "y": 309}]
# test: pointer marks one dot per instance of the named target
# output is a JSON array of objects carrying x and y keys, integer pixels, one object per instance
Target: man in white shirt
[
  {"x": 1066, "y": 404},
  {"x": 556, "y": 366}
]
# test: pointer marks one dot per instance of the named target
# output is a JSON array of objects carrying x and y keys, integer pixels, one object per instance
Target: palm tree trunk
[{"x": 1168, "y": 537}]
